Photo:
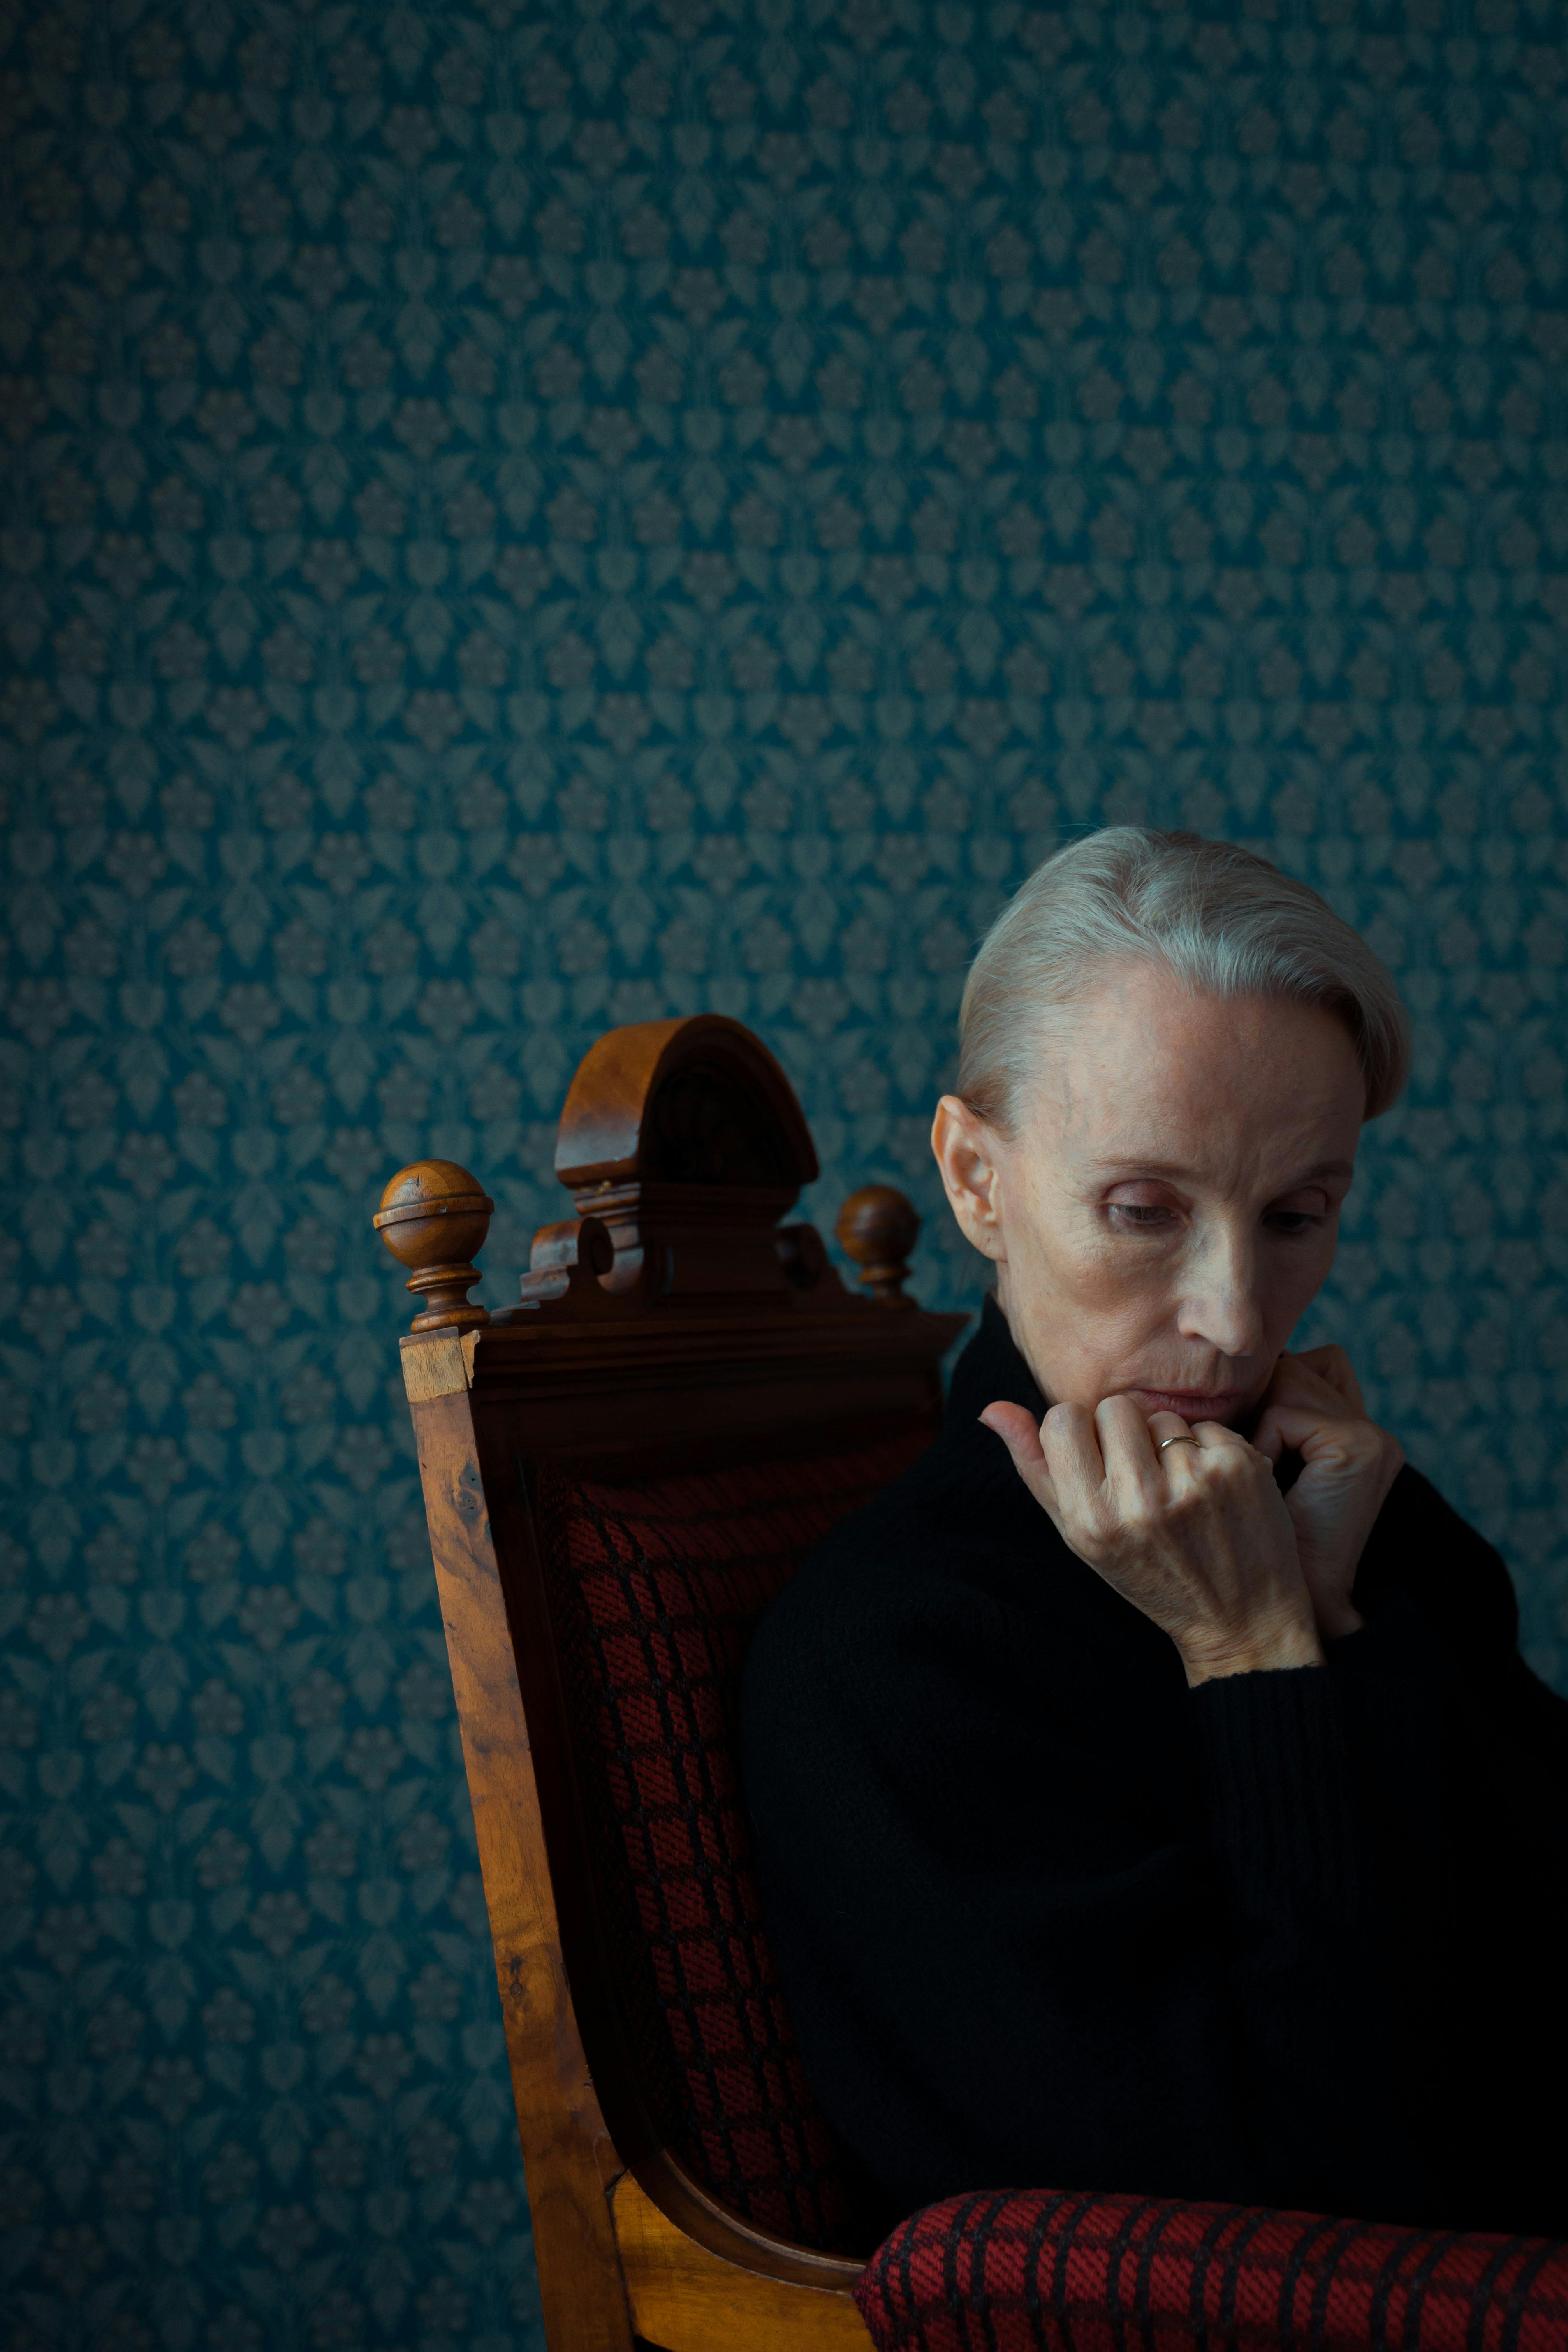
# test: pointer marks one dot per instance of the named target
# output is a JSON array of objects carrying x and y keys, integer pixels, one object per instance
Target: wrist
[
  {"x": 1264, "y": 1650},
  {"x": 1329, "y": 1586}
]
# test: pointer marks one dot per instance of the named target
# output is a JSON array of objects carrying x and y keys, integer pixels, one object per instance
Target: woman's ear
[{"x": 966, "y": 1153}]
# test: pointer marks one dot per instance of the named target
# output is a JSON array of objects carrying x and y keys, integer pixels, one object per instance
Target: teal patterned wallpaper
[{"x": 522, "y": 518}]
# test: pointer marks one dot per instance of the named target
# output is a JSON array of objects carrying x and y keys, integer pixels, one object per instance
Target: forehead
[{"x": 1141, "y": 1069}]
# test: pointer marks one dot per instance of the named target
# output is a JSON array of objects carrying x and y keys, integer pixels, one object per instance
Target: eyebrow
[{"x": 1173, "y": 1168}]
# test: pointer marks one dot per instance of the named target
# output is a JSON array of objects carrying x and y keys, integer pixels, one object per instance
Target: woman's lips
[{"x": 1190, "y": 1404}]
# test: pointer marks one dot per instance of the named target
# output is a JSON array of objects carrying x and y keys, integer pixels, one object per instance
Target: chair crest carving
[{"x": 682, "y": 1145}]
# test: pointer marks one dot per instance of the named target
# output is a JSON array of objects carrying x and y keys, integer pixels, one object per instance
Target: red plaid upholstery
[
  {"x": 655, "y": 1588},
  {"x": 1041, "y": 2272}
]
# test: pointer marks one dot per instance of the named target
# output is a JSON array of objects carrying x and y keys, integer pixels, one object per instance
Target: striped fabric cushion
[
  {"x": 1037, "y": 2270},
  {"x": 655, "y": 1588}
]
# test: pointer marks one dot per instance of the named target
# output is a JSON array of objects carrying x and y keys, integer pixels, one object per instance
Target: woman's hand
[
  {"x": 1314, "y": 1407},
  {"x": 1198, "y": 1537}
]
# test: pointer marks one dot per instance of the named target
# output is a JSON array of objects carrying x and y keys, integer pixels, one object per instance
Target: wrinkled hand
[
  {"x": 1314, "y": 1406},
  {"x": 1198, "y": 1538}
]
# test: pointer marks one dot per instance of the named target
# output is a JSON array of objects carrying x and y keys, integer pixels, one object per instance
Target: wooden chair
[{"x": 617, "y": 1474}]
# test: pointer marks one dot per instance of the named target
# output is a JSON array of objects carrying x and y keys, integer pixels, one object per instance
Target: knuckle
[{"x": 1090, "y": 1540}]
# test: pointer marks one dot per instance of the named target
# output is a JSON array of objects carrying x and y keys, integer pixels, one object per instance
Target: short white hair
[{"x": 1221, "y": 920}]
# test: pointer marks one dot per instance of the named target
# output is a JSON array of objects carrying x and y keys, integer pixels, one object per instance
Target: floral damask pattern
[{"x": 521, "y": 518}]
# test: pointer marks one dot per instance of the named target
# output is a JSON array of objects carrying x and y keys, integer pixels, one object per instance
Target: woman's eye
[
  {"x": 1128, "y": 1217},
  {"x": 1290, "y": 1222}
]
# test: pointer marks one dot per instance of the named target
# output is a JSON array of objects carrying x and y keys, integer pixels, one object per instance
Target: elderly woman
[{"x": 1148, "y": 1790}]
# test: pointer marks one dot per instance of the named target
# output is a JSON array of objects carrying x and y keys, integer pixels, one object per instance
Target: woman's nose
[{"x": 1221, "y": 1305}]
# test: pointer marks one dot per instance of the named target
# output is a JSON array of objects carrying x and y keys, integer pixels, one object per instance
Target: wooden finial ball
[
  {"x": 434, "y": 1217},
  {"x": 877, "y": 1229}
]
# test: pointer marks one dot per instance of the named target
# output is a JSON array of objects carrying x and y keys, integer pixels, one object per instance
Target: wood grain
[
  {"x": 568, "y": 2157},
  {"x": 687, "y": 2298}
]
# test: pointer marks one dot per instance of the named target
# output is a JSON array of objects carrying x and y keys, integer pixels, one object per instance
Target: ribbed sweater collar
[{"x": 991, "y": 1368}]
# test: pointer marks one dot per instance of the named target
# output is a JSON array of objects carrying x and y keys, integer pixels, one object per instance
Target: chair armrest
[{"x": 1039, "y": 2271}]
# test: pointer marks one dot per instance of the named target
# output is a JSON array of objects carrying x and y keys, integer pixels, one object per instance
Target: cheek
[
  {"x": 1086, "y": 1310},
  {"x": 1294, "y": 1280},
  {"x": 1091, "y": 1274}
]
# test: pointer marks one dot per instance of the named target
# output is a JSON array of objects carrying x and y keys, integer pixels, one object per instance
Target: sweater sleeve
[
  {"x": 999, "y": 1976},
  {"x": 1460, "y": 1751},
  {"x": 1442, "y": 1612},
  {"x": 1402, "y": 1815},
  {"x": 1458, "y": 1756},
  {"x": 1306, "y": 1965}
]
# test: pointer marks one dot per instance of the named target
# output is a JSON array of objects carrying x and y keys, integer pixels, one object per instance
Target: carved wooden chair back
[{"x": 618, "y": 1474}]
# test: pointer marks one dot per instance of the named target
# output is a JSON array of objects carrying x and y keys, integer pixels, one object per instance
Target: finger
[
  {"x": 1295, "y": 1389},
  {"x": 1126, "y": 1447},
  {"x": 1316, "y": 1435},
  {"x": 1268, "y": 1437},
  {"x": 1283, "y": 1423},
  {"x": 1332, "y": 1366},
  {"x": 1171, "y": 1437},
  {"x": 1304, "y": 1379},
  {"x": 1218, "y": 1437},
  {"x": 1017, "y": 1429},
  {"x": 1209, "y": 1437},
  {"x": 1073, "y": 1456}
]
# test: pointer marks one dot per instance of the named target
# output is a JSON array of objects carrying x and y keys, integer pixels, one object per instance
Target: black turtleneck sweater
[{"x": 1047, "y": 1917}]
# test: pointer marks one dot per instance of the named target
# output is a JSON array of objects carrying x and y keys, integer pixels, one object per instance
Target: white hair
[{"x": 1219, "y": 918}]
